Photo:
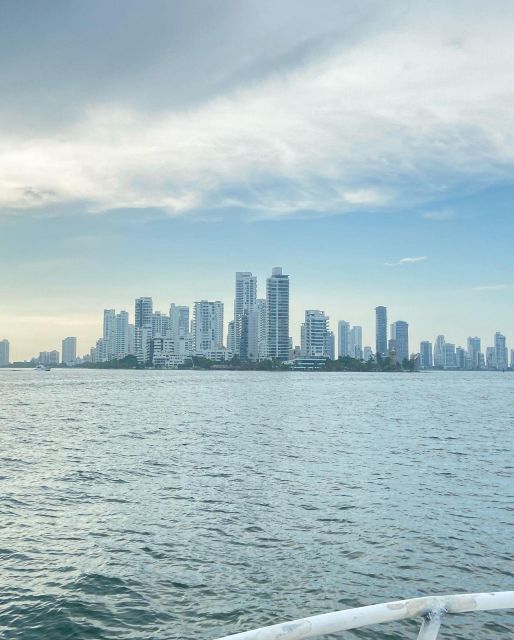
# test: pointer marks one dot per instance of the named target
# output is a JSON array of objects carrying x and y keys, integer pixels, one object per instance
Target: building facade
[
  {"x": 381, "y": 331},
  {"x": 400, "y": 335},
  {"x": 4, "y": 352},
  {"x": 69, "y": 351},
  {"x": 208, "y": 326},
  {"x": 277, "y": 304},
  {"x": 425, "y": 350}
]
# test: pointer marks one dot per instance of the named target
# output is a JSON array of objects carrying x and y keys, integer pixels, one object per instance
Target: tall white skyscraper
[
  {"x": 277, "y": 303},
  {"x": 109, "y": 334},
  {"x": 4, "y": 352},
  {"x": 343, "y": 338},
  {"x": 69, "y": 351},
  {"x": 257, "y": 327},
  {"x": 315, "y": 334},
  {"x": 400, "y": 335},
  {"x": 355, "y": 342},
  {"x": 122, "y": 338},
  {"x": 439, "y": 351},
  {"x": 244, "y": 302},
  {"x": 208, "y": 326}
]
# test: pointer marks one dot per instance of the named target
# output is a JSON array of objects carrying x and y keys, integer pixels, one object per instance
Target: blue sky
[{"x": 156, "y": 148}]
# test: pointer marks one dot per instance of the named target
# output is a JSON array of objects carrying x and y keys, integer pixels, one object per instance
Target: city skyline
[{"x": 265, "y": 331}]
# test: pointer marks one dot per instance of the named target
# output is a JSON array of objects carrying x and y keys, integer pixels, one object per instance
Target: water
[{"x": 167, "y": 505}]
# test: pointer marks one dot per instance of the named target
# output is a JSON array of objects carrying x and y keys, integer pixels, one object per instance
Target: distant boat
[{"x": 42, "y": 367}]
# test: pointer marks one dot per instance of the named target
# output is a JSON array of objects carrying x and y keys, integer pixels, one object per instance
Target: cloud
[
  {"x": 405, "y": 261},
  {"x": 439, "y": 214},
  {"x": 491, "y": 287},
  {"x": 400, "y": 119}
]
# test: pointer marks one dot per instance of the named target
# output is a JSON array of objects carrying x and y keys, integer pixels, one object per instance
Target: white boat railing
[{"x": 430, "y": 608}]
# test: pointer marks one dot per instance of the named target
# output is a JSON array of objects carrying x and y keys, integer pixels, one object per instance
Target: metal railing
[{"x": 431, "y": 609}]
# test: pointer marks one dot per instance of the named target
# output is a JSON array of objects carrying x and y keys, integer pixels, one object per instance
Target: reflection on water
[{"x": 188, "y": 505}]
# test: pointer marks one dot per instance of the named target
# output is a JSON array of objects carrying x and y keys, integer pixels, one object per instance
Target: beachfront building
[{"x": 277, "y": 304}]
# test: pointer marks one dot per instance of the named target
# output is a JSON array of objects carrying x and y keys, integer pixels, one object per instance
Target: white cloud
[
  {"x": 405, "y": 261},
  {"x": 491, "y": 287},
  {"x": 439, "y": 214},
  {"x": 397, "y": 121}
]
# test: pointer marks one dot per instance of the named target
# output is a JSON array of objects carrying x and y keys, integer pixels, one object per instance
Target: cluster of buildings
[
  {"x": 445, "y": 355},
  {"x": 260, "y": 330}
]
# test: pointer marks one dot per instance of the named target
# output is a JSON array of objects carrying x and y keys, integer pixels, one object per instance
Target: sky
[{"x": 155, "y": 148}]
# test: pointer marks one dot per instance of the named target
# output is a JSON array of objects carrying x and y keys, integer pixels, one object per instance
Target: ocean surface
[{"x": 187, "y": 505}]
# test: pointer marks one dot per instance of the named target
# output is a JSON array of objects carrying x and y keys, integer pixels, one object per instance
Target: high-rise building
[
  {"x": 502, "y": 354},
  {"x": 355, "y": 342},
  {"x": 244, "y": 302},
  {"x": 231, "y": 337},
  {"x": 400, "y": 335},
  {"x": 122, "y": 335},
  {"x": 208, "y": 326},
  {"x": 257, "y": 327},
  {"x": 343, "y": 338},
  {"x": 179, "y": 320},
  {"x": 50, "y": 358},
  {"x": 490, "y": 358},
  {"x": 143, "y": 312},
  {"x": 512, "y": 359},
  {"x": 160, "y": 325},
  {"x": 277, "y": 304},
  {"x": 69, "y": 351},
  {"x": 109, "y": 333},
  {"x": 315, "y": 334},
  {"x": 474, "y": 349},
  {"x": 439, "y": 351},
  {"x": 425, "y": 350},
  {"x": 449, "y": 356},
  {"x": 460, "y": 358},
  {"x": 381, "y": 330},
  {"x": 4, "y": 352}
]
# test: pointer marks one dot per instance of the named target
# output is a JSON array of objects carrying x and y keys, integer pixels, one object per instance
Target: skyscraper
[
  {"x": 4, "y": 352},
  {"x": 69, "y": 351},
  {"x": 257, "y": 340},
  {"x": 425, "y": 350},
  {"x": 179, "y": 320},
  {"x": 400, "y": 335},
  {"x": 109, "y": 334},
  {"x": 343, "y": 338},
  {"x": 315, "y": 334},
  {"x": 122, "y": 337},
  {"x": 474, "y": 349},
  {"x": 381, "y": 330},
  {"x": 355, "y": 342},
  {"x": 501, "y": 352},
  {"x": 277, "y": 303},
  {"x": 143, "y": 312},
  {"x": 244, "y": 302},
  {"x": 449, "y": 356},
  {"x": 439, "y": 351},
  {"x": 208, "y": 326}
]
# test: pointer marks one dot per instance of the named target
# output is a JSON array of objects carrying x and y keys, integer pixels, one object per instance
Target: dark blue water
[{"x": 167, "y": 505}]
